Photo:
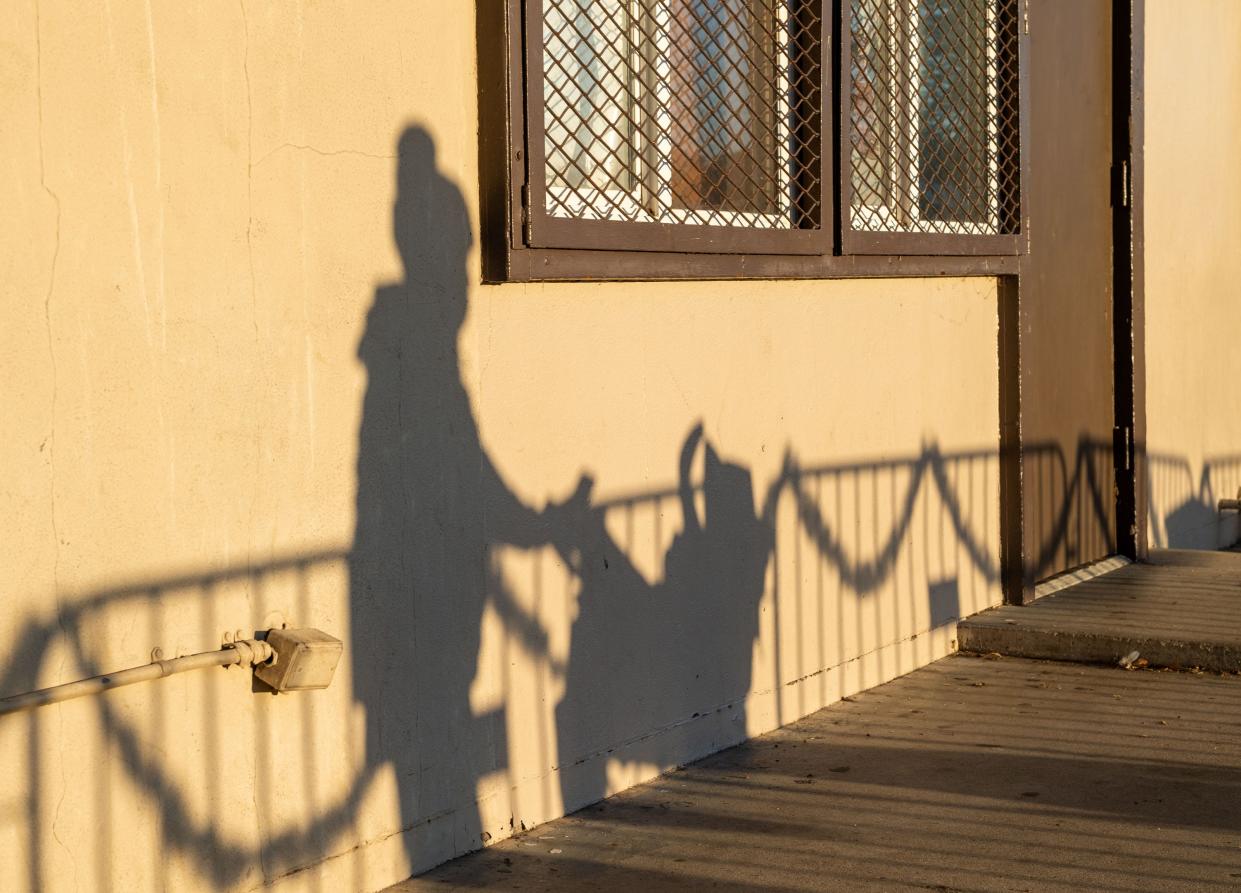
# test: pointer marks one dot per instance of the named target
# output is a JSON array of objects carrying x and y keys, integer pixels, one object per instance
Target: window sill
[{"x": 577, "y": 265}]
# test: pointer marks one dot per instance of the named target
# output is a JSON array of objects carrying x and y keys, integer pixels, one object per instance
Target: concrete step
[{"x": 1182, "y": 609}]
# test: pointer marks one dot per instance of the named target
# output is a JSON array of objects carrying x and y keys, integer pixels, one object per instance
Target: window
[
  {"x": 693, "y": 121},
  {"x": 684, "y": 128},
  {"x": 932, "y": 145}
]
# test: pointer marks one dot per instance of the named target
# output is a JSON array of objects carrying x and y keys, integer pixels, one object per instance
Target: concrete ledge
[
  {"x": 1181, "y": 610},
  {"x": 1095, "y": 648}
]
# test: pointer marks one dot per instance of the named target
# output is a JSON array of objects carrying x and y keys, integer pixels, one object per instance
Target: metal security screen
[
  {"x": 683, "y": 124},
  {"x": 933, "y": 143}
]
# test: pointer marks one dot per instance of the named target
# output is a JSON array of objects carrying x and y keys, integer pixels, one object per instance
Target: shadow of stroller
[{"x": 647, "y": 658}]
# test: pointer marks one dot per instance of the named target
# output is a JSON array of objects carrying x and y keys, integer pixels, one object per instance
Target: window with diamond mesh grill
[
  {"x": 933, "y": 142},
  {"x": 674, "y": 116}
]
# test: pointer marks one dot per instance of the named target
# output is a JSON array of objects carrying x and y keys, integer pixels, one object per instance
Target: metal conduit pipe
[{"x": 244, "y": 652}]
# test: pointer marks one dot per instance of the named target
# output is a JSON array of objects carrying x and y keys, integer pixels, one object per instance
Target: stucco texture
[
  {"x": 1193, "y": 301},
  {"x": 571, "y": 535}
]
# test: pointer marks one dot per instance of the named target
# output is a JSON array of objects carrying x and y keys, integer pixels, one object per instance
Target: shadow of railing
[
  {"x": 1069, "y": 506},
  {"x": 194, "y": 609},
  {"x": 945, "y": 472},
  {"x": 197, "y": 608},
  {"x": 1184, "y": 508},
  {"x": 743, "y": 607},
  {"x": 857, "y": 557}
]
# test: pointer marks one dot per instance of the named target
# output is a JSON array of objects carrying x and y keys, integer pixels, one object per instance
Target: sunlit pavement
[{"x": 971, "y": 774}]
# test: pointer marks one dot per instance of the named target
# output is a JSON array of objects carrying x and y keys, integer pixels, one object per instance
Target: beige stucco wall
[
  {"x": 213, "y": 420},
  {"x": 1193, "y": 247}
]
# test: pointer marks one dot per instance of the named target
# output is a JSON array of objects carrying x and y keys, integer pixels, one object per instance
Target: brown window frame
[{"x": 659, "y": 251}]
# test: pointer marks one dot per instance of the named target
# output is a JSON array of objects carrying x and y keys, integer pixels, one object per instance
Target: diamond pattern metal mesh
[
  {"x": 683, "y": 111},
  {"x": 933, "y": 116}
]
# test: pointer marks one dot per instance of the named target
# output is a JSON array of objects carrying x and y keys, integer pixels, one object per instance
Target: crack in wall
[
  {"x": 326, "y": 153},
  {"x": 50, "y": 440},
  {"x": 254, "y": 310},
  {"x": 261, "y": 843},
  {"x": 260, "y": 848}
]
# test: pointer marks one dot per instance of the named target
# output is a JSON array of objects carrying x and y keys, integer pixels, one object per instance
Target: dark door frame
[
  {"x": 1129, "y": 322},
  {"x": 1018, "y": 576}
]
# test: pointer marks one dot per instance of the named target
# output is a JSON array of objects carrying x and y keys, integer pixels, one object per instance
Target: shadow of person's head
[
  {"x": 431, "y": 227},
  {"x": 414, "y": 323}
]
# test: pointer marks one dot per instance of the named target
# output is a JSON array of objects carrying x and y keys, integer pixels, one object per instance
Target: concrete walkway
[
  {"x": 972, "y": 774},
  {"x": 1182, "y": 609}
]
